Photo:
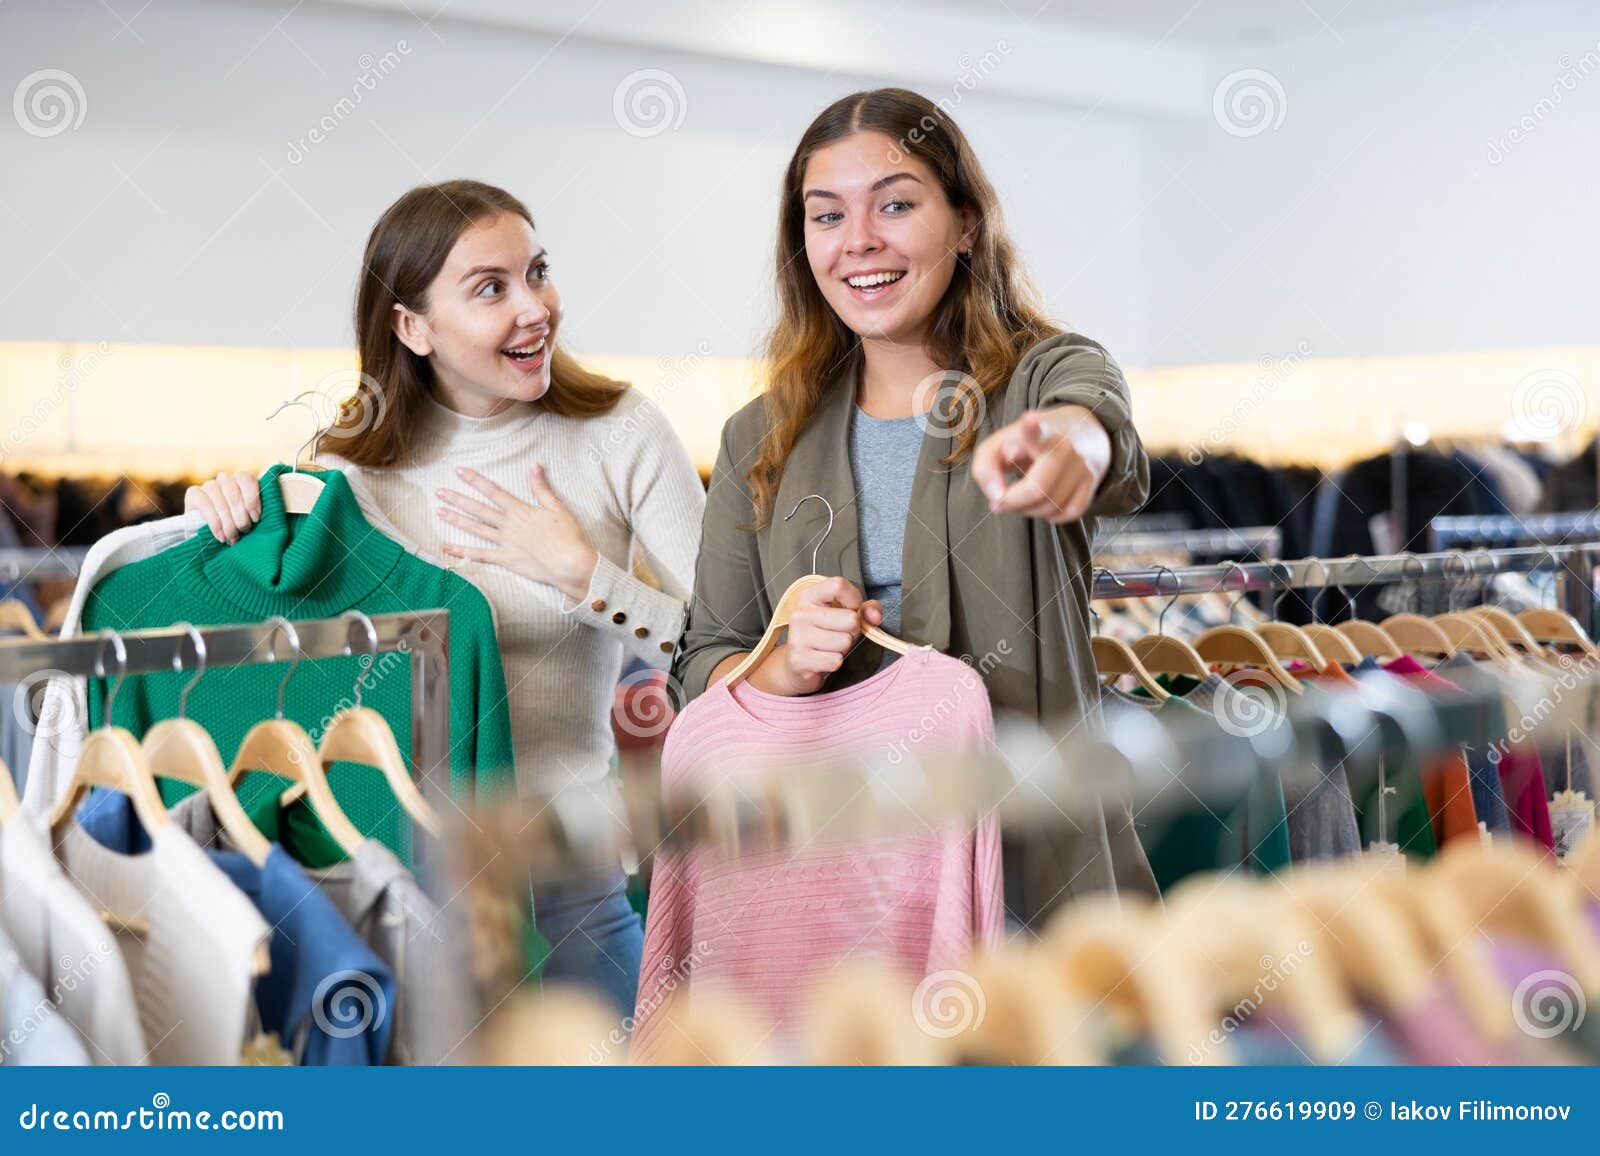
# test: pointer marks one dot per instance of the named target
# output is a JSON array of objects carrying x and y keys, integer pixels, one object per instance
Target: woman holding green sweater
[{"x": 480, "y": 445}]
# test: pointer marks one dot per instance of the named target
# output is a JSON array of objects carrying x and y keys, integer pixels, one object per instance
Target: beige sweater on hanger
[{"x": 627, "y": 479}]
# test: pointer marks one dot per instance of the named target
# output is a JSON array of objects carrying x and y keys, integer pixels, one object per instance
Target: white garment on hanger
[
  {"x": 194, "y": 969},
  {"x": 67, "y": 946},
  {"x": 64, "y": 714}
]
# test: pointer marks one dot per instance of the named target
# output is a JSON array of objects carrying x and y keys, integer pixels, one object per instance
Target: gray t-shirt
[{"x": 883, "y": 458}]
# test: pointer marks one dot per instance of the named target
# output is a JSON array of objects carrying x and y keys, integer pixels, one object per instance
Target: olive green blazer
[{"x": 976, "y": 585}]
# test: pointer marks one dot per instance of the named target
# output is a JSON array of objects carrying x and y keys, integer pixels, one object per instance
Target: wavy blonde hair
[
  {"x": 987, "y": 319},
  {"x": 407, "y": 248}
]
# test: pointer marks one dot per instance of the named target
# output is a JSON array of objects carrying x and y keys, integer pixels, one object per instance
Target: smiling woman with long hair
[
  {"x": 965, "y": 443},
  {"x": 466, "y": 384}
]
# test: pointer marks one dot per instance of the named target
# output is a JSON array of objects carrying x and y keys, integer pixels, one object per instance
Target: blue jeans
[{"x": 595, "y": 935}]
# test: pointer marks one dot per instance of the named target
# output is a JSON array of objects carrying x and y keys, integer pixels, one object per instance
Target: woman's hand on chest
[
  {"x": 1059, "y": 457},
  {"x": 540, "y": 540}
]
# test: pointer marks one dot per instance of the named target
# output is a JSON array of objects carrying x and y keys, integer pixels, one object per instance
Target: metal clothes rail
[{"x": 423, "y": 635}]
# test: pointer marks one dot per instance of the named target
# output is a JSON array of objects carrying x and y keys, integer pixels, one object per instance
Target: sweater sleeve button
[
  {"x": 641, "y": 632},
  {"x": 619, "y": 618},
  {"x": 666, "y": 648},
  {"x": 598, "y": 605}
]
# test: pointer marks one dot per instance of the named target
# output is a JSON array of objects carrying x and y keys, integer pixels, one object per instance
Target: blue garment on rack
[{"x": 328, "y": 996}]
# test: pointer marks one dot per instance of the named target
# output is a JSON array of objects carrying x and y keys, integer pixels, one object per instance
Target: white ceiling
[{"x": 1218, "y": 21}]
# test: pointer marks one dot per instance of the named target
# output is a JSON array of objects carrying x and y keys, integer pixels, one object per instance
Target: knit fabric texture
[{"x": 315, "y": 565}]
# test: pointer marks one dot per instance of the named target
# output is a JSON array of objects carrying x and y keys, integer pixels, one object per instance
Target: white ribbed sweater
[{"x": 627, "y": 479}]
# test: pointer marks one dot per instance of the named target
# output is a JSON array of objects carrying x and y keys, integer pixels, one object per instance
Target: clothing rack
[
  {"x": 1506, "y": 530},
  {"x": 1575, "y": 565},
  {"x": 1036, "y": 777},
  {"x": 1262, "y": 541},
  {"x": 36, "y": 564},
  {"x": 424, "y": 635}
]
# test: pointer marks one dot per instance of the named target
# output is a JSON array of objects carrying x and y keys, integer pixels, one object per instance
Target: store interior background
[{"x": 1397, "y": 237}]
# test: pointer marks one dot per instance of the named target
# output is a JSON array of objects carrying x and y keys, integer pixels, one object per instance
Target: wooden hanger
[
  {"x": 1322, "y": 637},
  {"x": 9, "y": 804},
  {"x": 1111, "y": 952},
  {"x": 112, "y": 759},
  {"x": 1469, "y": 633},
  {"x": 1547, "y": 624},
  {"x": 786, "y": 604},
  {"x": 1369, "y": 942},
  {"x": 1361, "y": 638},
  {"x": 281, "y": 747},
  {"x": 1507, "y": 885},
  {"x": 300, "y": 489},
  {"x": 1418, "y": 635},
  {"x": 15, "y": 615},
  {"x": 182, "y": 750},
  {"x": 1114, "y": 657},
  {"x": 1333, "y": 643},
  {"x": 1167, "y": 653},
  {"x": 360, "y": 734},
  {"x": 1238, "y": 646},
  {"x": 862, "y": 1013},
  {"x": 1233, "y": 928}
]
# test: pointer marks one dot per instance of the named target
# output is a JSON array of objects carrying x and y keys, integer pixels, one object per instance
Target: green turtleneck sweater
[{"x": 316, "y": 565}]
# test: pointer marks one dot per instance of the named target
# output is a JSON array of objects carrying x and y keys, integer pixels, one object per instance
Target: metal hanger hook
[
  {"x": 1349, "y": 599},
  {"x": 1288, "y": 584},
  {"x": 1555, "y": 573},
  {"x": 1109, "y": 573},
  {"x": 279, "y": 622},
  {"x": 1415, "y": 601},
  {"x": 1162, "y": 617},
  {"x": 1316, "y": 598},
  {"x": 372, "y": 640},
  {"x": 316, "y": 421},
  {"x": 120, "y": 649},
  {"x": 825, "y": 532},
  {"x": 199, "y": 644},
  {"x": 1453, "y": 587},
  {"x": 1223, "y": 586}
]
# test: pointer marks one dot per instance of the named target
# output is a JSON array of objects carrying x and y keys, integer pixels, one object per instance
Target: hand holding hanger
[
  {"x": 825, "y": 622},
  {"x": 1062, "y": 454},
  {"x": 540, "y": 540},
  {"x": 229, "y": 502}
]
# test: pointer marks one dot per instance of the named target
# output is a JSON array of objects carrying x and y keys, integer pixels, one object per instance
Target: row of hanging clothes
[
  {"x": 1426, "y": 935},
  {"x": 156, "y": 911}
]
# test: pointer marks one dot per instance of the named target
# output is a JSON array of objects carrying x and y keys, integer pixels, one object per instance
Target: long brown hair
[
  {"x": 988, "y": 318},
  {"x": 407, "y": 248}
]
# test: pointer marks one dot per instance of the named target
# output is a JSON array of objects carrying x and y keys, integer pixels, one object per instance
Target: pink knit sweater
[{"x": 763, "y": 924}]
